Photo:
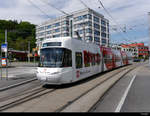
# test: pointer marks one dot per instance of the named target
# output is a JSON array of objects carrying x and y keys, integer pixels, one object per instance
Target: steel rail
[
  {"x": 77, "y": 98},
  {"x": 42, "y": 91},
  {"x": 17, "y": 84},
  {"x": 22, "y": 99},
  {"x": 95, "y": 105}
]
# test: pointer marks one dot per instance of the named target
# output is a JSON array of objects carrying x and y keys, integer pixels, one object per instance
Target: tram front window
[{"x": 55, "y": 58}]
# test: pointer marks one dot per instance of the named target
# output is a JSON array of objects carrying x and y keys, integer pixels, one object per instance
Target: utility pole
[
  {"x": 149, "y": 34},
  {"x": 6, "y": 42},
  {"x": 6, "y": 54},
  {"x": 29, "y": 51}
]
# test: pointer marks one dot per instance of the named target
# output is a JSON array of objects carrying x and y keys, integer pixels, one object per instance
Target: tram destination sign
[{"x": 4, "y": 47}]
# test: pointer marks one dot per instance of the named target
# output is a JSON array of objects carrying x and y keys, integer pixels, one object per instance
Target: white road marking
[{"x": 124, "y": 96}]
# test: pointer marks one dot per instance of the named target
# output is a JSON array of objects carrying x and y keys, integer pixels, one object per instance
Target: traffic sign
[
  {"x": 4, "y": 62},
  {"x": 4, "y": 47}
]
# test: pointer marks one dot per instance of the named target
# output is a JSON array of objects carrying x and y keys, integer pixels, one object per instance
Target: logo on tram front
[{"x": 44, "y": 70}]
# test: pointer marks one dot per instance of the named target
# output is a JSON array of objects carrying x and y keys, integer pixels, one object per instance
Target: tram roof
[{"x": 68, "y": 41}]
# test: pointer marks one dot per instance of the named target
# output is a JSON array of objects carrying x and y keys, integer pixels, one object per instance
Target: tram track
[
  {"x": 20, "y": 93},
  {"x": 24, "y": 97},
  {"x": 17, "y": 84},
  {"x": 43, "y": 91},
  {"x": 62, "y": 109}
]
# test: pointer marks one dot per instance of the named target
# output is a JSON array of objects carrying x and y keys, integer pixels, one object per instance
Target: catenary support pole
[
  {"x": 6, "y": 54},
  {"x": 149, "y": 34}
]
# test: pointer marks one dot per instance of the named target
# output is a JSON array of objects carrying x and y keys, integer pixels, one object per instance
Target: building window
[
  {"x": 89, "y": 23},
  {"x": 79, "y": 61},
  {"x": 80, "y": 31},
  {"x": 96, "y": 19},
  {"x": 104, "y": 35},
  {"x": 103, "y": 29},
  {"x": 103, "y": 22},
  {"x": 66, "y": 34},
  {"x": 89, "y": 30},
  {"x": 42, "y": 34},
  {"x": 41, "y": 28},
  {"x": 58, "y": 35},
  {"x": 57, "y": 30},
  {"x": 96, "y": 26},
  {"x": 108, "y": 29},
  {"x": 89, "y": 16},
  {"x": 75, "y": 26},
  {"x": 41, "y": 39},
  {"x": 84, "y": 16},
  {"x": 107, "y": 24},
  {"x": 65, "y": 22},
  {"x": 96, "y": 32},
  {"x": 80, "y": 18},
  {"x": 104, "y": 41},
  {"x": 48, "y": 27},
  {"x": 57, "y": 24},
  {"x": 48, "y": 32},
  {"x": 96, "y": 39},
  {"x": 65, "y": 29},
  {"x": 108, "y": 36},
  {"x": 88, "y": 38}
]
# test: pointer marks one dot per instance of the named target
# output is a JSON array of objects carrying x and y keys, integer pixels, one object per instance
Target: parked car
[{"x": 136, "y": 60}]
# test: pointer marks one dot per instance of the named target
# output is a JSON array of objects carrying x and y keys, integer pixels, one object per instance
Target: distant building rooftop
[{"x": 133, "y": 45}]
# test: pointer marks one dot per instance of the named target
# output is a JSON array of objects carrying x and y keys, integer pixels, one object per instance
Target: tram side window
[
  {"x": 93, "y": 60},
  {"x": 67, "y": 60},
  {"x": 98, "y": 58},
  {"x": 79, "y": 62},
  {"x": 117, "y": 58},
  {"x": 107, "y": 59},
  {"x": 86, "y": 59}
]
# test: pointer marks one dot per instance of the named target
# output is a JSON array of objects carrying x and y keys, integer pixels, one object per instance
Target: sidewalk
[{"x": 16, "y": 75}]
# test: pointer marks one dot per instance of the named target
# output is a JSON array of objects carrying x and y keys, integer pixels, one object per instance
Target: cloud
[{"x": 126, "y": 12}]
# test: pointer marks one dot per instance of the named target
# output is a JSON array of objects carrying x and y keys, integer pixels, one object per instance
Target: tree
[{"x": 18, "y": 34}]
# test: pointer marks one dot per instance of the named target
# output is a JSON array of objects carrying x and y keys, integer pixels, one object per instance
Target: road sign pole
[{"x": 6, "y": 54}]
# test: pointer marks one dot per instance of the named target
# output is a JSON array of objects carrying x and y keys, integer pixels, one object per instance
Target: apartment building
[
  {"x": 85, "y": 24},
  {"x": 137, "y": 49}
]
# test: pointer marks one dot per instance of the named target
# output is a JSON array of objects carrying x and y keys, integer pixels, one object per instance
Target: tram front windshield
[{"x": 55, "y": 58}]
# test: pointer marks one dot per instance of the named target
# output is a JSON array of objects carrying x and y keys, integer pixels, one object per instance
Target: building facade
[
  {"x": 138, "y": 50},
  {"x": 85, "y": 24}
]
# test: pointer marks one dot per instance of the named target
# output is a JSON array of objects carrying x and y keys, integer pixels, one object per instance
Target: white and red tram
[{"x": 67, "y": 60}]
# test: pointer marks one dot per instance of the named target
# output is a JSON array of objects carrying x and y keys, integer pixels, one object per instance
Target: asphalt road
[
  {"x": 129, "y": 94},
  {"x": 138, "y": 98}
]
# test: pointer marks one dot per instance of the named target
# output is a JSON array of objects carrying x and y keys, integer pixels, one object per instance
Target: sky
[{"x": 129, "y": 14}]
